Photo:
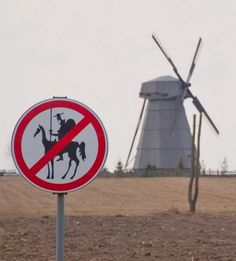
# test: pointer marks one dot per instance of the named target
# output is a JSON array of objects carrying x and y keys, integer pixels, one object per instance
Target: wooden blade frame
[
  {"x": 201, "y": 109},
  {"x": 186, "y": 84},
  {"x": 135, "y": 134}
]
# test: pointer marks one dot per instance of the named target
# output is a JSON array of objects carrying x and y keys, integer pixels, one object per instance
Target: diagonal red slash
[{"x": 59, "y": 146}]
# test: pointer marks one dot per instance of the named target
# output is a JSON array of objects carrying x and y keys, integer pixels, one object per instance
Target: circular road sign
[{"x": 59, "y": 145}]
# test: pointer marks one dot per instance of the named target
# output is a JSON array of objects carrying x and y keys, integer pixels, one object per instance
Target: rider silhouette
[{"x": 65, "y": 126}]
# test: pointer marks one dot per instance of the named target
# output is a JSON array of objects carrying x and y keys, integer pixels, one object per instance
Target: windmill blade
[
  {"x": 200, "y": 108},
  {"x": 135, "y": 134},
  {"x": 192, "y": 67},
  {"x": 196, "y": 54},
  {"x": 168, "y": 58}
]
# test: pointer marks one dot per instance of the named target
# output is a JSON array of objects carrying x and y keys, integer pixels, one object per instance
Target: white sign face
[{"x": 59, "y": 145}]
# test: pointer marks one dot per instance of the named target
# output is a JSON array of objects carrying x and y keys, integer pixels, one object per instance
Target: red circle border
[{"x": 63, "y": 103}]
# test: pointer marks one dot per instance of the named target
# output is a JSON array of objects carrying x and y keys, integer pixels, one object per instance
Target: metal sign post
[
  {"x": 83, "y": 138},
  {"x": 60, "y": 228}
]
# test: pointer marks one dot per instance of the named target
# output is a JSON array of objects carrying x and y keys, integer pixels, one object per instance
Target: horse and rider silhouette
[{"x": 70, "y": 149}]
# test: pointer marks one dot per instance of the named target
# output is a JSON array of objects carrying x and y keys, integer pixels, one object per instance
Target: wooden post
[{"x": 195, "y": 166}]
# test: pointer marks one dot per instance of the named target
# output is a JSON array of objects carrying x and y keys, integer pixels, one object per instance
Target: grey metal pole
[{"x": 60, "y": 228}]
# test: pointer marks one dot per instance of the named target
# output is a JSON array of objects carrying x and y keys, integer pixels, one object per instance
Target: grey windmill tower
[{"x": 165, "y": 136}]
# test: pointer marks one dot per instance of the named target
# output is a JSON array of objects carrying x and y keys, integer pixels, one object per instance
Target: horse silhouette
[
  {"x": 47, "y": 146},
  {"x": 70, "y": 149}
]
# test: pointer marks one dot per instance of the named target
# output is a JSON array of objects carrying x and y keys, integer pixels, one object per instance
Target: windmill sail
[
  {"x": 196, "y": 54},
  {"x": 168, "y": 58},
  {"x": 135, "y": 134},
  {"x": 186, "y": 84},
  {"x": 200, "y": 108}
]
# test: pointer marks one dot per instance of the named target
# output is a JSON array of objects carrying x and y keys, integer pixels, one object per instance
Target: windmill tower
[
  {"x": 165, "y": 136},
  {"x": 161, "y": 144}
]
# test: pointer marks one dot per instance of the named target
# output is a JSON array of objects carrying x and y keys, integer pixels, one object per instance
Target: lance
[{"x": 50, "y": 124}]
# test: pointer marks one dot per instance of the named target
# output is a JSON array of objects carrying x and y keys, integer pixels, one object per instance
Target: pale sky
[{"x": 100, "y": 52}]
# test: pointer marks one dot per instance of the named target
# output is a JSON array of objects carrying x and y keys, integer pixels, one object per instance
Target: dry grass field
[{"x": 121, "y": 219}]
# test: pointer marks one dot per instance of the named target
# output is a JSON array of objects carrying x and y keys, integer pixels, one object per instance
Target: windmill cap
[
  {"x": 164, "y": 78},
  {"x": 164, "y": 87}
]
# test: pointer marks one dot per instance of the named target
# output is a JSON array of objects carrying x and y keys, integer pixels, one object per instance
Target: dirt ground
[{"x": 120, "y": 219}]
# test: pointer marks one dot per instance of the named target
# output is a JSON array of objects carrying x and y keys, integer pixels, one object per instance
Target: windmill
[{"x": 165, "y": 137}]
